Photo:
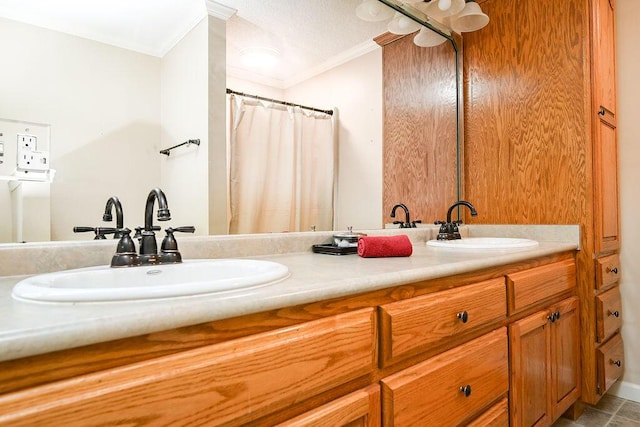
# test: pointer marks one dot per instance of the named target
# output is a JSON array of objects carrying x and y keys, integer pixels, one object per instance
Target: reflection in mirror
[{"x": 113, "y": 102}]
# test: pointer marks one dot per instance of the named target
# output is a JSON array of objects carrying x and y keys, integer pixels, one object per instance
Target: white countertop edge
[{"x": 45, "y": 328}]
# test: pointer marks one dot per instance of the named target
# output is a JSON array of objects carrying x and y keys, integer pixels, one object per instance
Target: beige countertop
[{"x": 34, "y": 328}]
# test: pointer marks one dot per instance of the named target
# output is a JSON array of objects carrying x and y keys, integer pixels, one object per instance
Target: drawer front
[
  {"x": 358, "y": 409},
  {"x": 608, "y": 313},
  {"x": 231, "y": 383},
  {"x": 607, "y": 271},
  {"x": 451, "y": 387},
  {"x": 610, "y": 360},
  {"x": 414, "y": 325},
  {"x": 532, "y": 286},
  {"x": 496, "y": 416}
]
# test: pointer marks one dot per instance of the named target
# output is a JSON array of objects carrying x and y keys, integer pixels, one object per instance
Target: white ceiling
[{"x": 311, "y": 35}]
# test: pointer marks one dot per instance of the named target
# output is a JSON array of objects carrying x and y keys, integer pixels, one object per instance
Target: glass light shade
[
  {"x": 433, "y": 9},
  {"x": 444, "y": 4},
  {"x": 428, "y": 38},
  {"x": 470, "y": 19},
  {"x": 402, "y": 25},
  {"x": 259, "y": 57},
  {"x": 373, "y": 11}
]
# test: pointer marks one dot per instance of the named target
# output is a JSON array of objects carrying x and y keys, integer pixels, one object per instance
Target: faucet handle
[
  {"x": 138, "y": 234},
  {"x": 183, "y": 229},
  {"x": 99, "y": 231},
  {"x": 169, "y": 248},
  {"x": 125, "y": 255},
  {"x": 417, "y": 221}
]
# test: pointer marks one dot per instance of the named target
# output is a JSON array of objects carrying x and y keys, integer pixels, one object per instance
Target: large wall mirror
[{"x": 102, "y": 104}]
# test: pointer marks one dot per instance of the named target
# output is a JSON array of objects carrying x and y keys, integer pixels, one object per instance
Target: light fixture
[
  {"x": 441, "y": 17},
  {"x": 470, "y": 19},
  {"x": 373, "y": 11},
  {"x": 428, "y": 38},
  {"x": 259, "y": 57},
  {"x": 401, "y": 24}
]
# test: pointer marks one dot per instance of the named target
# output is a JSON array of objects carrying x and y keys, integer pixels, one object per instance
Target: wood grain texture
[
  {"x": 358, "y": 409},
  {"x": 429, "y": 392},
  {"x": 610, "y": 357},
  {"x": 604, "y": 55},
  {"x": 410, "y": 326},
  {"x": 496, "y": 416},
  {"x": 230, "y": 383},
  {"x": 538, "y": 284},
  {"x": 419, "y": 129},
  {"x": 608, "y": 313},
  {"x": 565, "y": 356},
  {"x": 607, "y": 225},
  {"x": 526, "y": 127},
  {"x": 608, "y": 271},
  {"x": 530, "y": 361}
]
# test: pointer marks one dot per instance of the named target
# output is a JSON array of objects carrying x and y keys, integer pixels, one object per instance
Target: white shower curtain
[{"x": 282, "y": 165}]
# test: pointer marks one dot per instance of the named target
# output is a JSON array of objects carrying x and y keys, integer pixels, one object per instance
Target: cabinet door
[
  {"x": 358, "y": 409},
  {"x": 530, "y": 402},
  {"x": 607, "y": 227},
  {"x": 604, "y": 54},
  {"x": 565, "y": 354}
]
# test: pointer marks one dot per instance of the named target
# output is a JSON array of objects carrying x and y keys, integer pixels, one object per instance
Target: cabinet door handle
[
  {"x": 613, "y": 270},
  {"x": 466, "y": 390},
  {"x": 614, "y": 313},
  {"x": 553, "y": 317},
  {"x": 463, "y": 315},
  {"x": 601, "y": 111},
  {"x": 618, "y": 363}
]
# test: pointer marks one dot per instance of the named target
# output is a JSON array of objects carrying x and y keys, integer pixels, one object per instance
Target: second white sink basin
[
  {"x": 484, "y": 243},
  {"x": 194, "y": 277}
]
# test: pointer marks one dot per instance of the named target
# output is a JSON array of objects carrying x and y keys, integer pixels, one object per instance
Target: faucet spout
[
  {"x": 461, "y": 203},
  {"x": 114, "y": 203},
  {"x": 163, "y": 208},
  {"x": 407, "y": 221}
]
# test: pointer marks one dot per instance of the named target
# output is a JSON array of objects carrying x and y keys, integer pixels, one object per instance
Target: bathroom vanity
[{"x": 443, "y": 337}]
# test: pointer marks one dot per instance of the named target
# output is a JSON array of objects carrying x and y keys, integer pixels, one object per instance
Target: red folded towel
[{"x": 384, "y": 246}]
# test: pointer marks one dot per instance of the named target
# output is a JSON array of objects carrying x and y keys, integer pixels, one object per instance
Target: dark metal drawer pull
[
  {"x": 466, "y": 390},
  {"x": 463, "y": 315},
  {"x": 614, "y": 313},
  {"x": 618, "y": 363}
]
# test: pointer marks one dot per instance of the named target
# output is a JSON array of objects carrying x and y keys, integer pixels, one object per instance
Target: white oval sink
[
  {"x": 484, "y": 243},
  {"x": 193, "y": 277}
]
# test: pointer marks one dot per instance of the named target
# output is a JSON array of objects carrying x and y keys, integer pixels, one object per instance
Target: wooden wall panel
[
  {"x": 419, "y": 149},
  {"x": 526, "y": 126}
]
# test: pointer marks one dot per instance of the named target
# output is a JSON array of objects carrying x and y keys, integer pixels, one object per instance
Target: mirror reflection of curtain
[{"x": 282, "y": 165}]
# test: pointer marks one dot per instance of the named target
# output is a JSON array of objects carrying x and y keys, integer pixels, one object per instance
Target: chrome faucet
[
  {"x": 449, "y": 229},
  {"x": 407, "y": 222},
  {"x": 112, "y": 203},
  {"x": 148, "y": 244}
]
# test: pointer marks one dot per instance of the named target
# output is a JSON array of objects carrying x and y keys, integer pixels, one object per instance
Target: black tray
[{"x": 334, "y": 250}]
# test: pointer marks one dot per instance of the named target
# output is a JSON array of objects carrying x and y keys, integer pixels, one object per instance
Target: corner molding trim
[{"x": 218, "y": 10}]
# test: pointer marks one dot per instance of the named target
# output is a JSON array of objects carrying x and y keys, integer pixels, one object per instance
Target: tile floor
[{"x": 611, "y": 411}]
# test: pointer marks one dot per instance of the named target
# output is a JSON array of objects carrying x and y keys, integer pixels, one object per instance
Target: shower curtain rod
[{"x": 261, "y": 98}]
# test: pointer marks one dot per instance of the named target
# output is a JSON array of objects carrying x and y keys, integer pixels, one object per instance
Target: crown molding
[{"x": 218, "y": 10}]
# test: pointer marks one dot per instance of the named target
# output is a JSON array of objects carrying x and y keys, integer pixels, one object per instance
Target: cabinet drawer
[
  {"x": 433, "y": 392},
  {"x": 416, "y": 324},
  {"x": 610, "y": 359},
  {"x": 230, "y": 383},
  {"x": 358, "y": 409},
  {"x": 496, "y": 416},
  {"x": 608, "y": 313},
  {"x": 607, "y": 271},
  {"x": 532, "y": 286}
]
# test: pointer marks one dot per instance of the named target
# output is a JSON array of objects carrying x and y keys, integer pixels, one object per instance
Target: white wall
[
  {"x": 355, "y": 88},
  {"x": 628, "y": 66},
  {"x": 184, "y": 116},
  {"x": 103, "y": 105}
]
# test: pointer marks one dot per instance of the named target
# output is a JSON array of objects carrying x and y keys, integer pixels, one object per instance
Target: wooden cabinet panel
[
  {"x": 530, "y": 399},
  {"x": 537, "y": 284},
  {"x": 608, "y": 313},
  {"x": 433, "y": 392},
  {"x": 610, "y": 359},
  {"x": 565, "y": 351},
  {"x": 604, "y": 54},
  {"x": 606, "y": 224},
  {"x": 496, "y": 416},
  {"x": 358, "y": 409},
  {"x": 224, "y": 383},
  {"x": 415, "y": 324},
  {"x": 607, "y": 271}
]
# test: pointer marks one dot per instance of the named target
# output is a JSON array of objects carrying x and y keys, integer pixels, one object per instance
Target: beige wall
[
  {"x": 628, "y": 65},
  {"x": 103, "y": 105},
  {"x": 184, "y": 116}
]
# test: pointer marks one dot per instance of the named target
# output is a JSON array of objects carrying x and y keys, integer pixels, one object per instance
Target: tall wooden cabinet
[{"x": 541, "y": 146}]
